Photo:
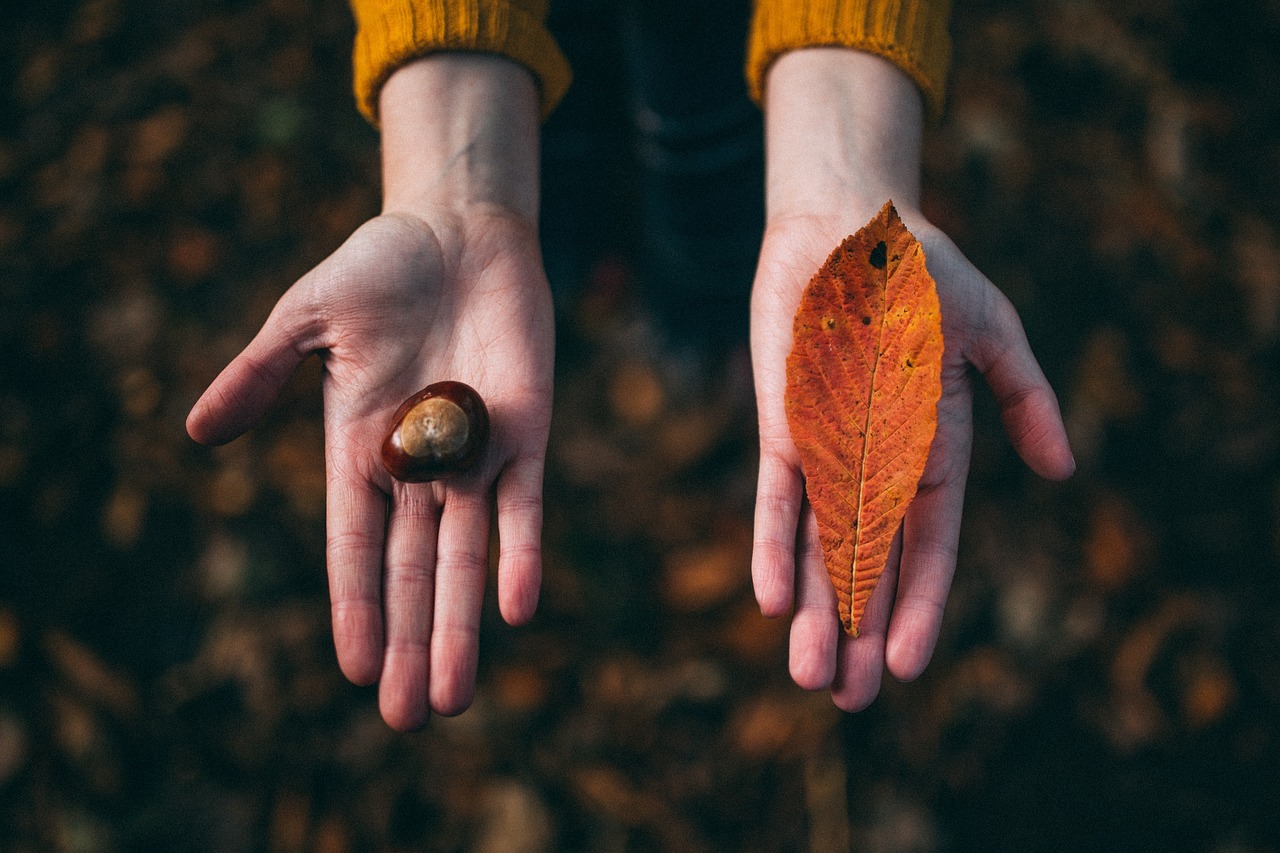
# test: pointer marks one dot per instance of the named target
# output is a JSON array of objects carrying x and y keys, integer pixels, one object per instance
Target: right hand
[{"x": 446, "y": 284}]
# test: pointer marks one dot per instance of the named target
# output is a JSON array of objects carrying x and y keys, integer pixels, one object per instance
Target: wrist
[
  {"x": 843, "y": 129},
  {"x": 460, "y": 133}
]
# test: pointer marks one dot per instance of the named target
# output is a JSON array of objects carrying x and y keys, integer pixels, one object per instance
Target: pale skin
[
  {"x": 447, "y": 283},
  {"x": 842, "y": 136}
]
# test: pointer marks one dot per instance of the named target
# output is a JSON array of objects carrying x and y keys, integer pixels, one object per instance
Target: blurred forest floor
[{"x": 1109, "y": 672}]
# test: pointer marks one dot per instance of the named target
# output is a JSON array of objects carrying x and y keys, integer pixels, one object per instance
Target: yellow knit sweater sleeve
[
  {"x": 910, "y": 33},
  {"x": 390, "y": 33}
]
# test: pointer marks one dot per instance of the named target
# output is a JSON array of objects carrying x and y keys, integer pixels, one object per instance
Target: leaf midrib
[{"x": 866, "y": 435}]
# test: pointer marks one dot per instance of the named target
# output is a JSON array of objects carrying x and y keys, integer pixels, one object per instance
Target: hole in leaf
[{"x": 878, "y": 255}]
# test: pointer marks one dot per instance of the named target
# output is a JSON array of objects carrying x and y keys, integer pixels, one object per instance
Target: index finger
[{"x": 356, "y": 535}]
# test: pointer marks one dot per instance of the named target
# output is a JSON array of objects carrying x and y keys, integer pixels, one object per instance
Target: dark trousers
[{"x": 656, "y": 156}]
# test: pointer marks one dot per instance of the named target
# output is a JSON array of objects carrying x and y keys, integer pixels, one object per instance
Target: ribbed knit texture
[
  {"x": 910, "y": 33},
  {"x": 390, "y": 33}
]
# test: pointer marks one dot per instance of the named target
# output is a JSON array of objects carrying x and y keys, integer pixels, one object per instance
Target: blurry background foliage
[{"x": 1109, "y": 672}]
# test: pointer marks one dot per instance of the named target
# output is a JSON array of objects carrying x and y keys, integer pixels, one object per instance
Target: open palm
[
  {"x": 403, "y": 303},
  {"x": 981, "y": 329}
]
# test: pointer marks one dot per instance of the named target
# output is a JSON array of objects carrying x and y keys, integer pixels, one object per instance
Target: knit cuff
[
  {"x": 391, "y": 33},
  {"x": 912, "y": 34}
]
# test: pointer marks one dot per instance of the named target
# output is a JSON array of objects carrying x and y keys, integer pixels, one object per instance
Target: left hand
[{"x": 815, "y": 202}]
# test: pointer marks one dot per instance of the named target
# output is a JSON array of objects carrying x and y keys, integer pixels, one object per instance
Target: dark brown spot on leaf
[{"x": 878, "y": 255}]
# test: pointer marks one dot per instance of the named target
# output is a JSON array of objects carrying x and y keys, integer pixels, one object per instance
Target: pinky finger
[
  {"x": 773, "y": 561},
  {"x": 519, "y": 501}
]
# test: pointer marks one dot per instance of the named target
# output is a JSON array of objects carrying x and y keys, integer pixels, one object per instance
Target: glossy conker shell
[{"x": 440, "y": 430}]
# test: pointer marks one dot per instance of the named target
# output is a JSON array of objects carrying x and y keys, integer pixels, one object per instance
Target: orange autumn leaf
[{"x": 863, "y": 381}]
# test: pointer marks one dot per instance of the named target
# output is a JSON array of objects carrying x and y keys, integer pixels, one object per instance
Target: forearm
[
  {"x": 460, "y": 132},
  {"x": 842, "y": 128}
]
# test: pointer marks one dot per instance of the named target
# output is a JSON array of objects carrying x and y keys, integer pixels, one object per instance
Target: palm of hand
[
  {"x": 901, "y": 624},
  {"x": 398, "y": 306}
]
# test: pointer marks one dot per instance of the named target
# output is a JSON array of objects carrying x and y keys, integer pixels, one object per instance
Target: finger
[
  {"x": 779, "y": 494},
  {"x": 931, "y": 536},
  {"x": 357, "y": 512},
  {"x": 1028, "y": 406},
  {"x": 248, "y": 386},
  {"x": 860, "y": 660},
  {"x": 520, "y": 534},
  {"x": 461, "y": 566},
  {"x": 816, "y": 623},
  {"x": 409, "y": 597}
]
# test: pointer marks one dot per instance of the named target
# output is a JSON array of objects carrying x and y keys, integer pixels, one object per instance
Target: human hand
[
  {"x": 446, "y": 284},
  {"x": 816, "y": 197}
]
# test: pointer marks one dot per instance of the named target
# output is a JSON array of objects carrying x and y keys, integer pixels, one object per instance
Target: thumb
[
  {"x": 1028, "y": 406},
  {"x": 248, "y": 386}
]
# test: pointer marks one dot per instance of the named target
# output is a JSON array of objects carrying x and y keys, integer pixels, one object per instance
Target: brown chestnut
[{"x": 439, "y": 431}]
